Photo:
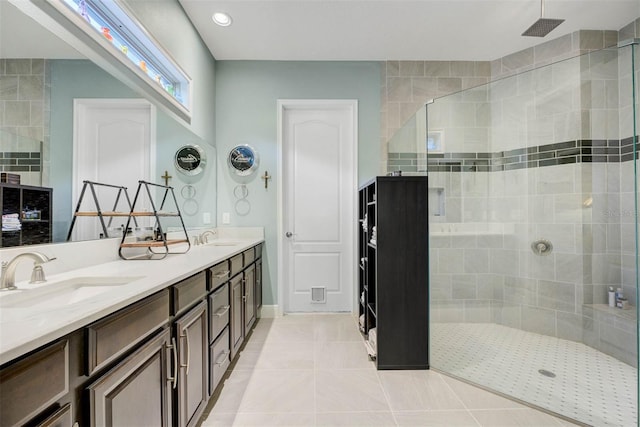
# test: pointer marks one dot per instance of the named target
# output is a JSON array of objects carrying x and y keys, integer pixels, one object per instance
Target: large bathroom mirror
[{"x": 40, "y": 78}]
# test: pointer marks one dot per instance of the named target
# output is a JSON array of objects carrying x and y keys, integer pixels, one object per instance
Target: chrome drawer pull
[
  {"x": 222, "y": 311},
  {"x": 174, "y": 378},
  {"x": 223, "y": 358},
  {"x": 186, "y": 335},
  {"x": 222, "y": 274}
]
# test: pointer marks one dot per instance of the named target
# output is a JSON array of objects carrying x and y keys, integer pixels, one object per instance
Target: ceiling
[{"x": 392, "y": 29}]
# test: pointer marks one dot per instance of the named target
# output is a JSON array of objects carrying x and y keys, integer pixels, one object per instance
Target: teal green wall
[
  {"x": 246, "y": 96},
  {"x": 72, "y": 79}
]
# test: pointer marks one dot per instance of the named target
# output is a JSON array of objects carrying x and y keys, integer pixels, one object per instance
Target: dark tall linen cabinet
[{"x": 394, "y": 270}]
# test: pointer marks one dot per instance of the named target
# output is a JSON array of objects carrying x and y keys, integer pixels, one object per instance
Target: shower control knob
[{"x": 288, "y": 234}]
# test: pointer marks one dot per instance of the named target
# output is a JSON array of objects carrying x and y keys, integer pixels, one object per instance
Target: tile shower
[
  {"x": 24, "y": 119},
  {"x": 545, "y": 154}
]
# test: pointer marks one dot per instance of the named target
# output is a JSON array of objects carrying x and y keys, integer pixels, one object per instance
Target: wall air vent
[{"x": 318, "y": 294}]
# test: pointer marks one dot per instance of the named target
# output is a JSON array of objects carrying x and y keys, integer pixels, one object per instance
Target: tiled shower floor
[{"x": 589, "y": 386}]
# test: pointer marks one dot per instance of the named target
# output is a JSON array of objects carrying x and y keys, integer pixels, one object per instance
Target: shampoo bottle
[{"x": 612, "y": 297}]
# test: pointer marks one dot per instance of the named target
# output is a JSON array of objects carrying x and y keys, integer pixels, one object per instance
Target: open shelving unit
[
  {"x": 393, "y": 246},
  {"x": 121, "y": 197},
  {"x": 168, "y": 208},
  {"x": 26, "y": 214}
]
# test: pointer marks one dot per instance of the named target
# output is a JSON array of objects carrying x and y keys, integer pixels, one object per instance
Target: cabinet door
[
  {"x": 258, "y": 284},
  {"x": 237, "y": 307},
  {"x": 249, "y": 298},
  {"x": 193, "y": 357},
  {"x": 137, "y": 391}
]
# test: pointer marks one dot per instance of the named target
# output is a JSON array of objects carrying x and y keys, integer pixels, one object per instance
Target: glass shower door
[{"x": 534, "y": 184}]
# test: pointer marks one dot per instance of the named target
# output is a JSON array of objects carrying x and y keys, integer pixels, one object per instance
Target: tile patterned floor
[
  {"x": 313, "y": 370},
  {"x": 589, "y": 386}
]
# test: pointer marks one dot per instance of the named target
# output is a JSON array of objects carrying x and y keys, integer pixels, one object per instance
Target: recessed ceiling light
[{"x": 222, "y": 19}]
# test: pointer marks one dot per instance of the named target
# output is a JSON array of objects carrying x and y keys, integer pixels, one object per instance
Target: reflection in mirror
[
  {"x": 40, "y": 77},
  {"x": 407, "y": 149}
]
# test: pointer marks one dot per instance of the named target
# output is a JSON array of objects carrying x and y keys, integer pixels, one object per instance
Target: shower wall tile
[
  {"x": 447, "y": 312},
  {"x": 569, "y": 326},
  {"x": 476, "y": 261},
  {"x": 569, "y": 268},
  {"x": 619, "y": 344},
  {"x": 463, "y": 286},
  {"x": 17, "y": 66},
  {"x": 539, "y": 320},
  {"x": 437, "y": 68},
  {"x": 398, "y": 89},
  {"x": 449, "y": 260},
  {"x": 440, "y": 286},
  {"x": 9, "y": 88},
  {"x": 519, "y": 290},
  {"x": 477, "y": 311},
  {"x": 392, "y": 68},
  {"x": 411, "y": 68},
  {"x": 517, "y": 61},
  {"x": 464, "y": 241},
  {"x": 490, "y": 287},
  {"x": 557, "y": 296},
  {"x": 512, "y": 315},
  {"x": 537, "y": 267}
]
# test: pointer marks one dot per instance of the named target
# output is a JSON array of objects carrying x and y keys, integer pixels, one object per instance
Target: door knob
[{"x": 288, "y": 234}]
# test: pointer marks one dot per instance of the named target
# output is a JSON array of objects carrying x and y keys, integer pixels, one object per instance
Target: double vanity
[{"x": 142, "y": 342}]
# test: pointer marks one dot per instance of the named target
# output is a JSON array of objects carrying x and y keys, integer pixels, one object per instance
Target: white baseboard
[{"x": 269, "y": 311}]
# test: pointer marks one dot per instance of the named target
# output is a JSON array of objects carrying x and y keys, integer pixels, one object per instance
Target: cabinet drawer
[
  {"x": 23, "y": 391},
  {"x": 258, "y": 251},
  {"x": 236, "y": 264},
  {"x": 249, "y": 256},
  {"x": 189, "y": 291},
  {"x": 112, "y": 336},
  {"x": 219, "y": 308},
  {"x": 220, "y": 273},
  {"x": 219, "y": 359},
  {"x": 63, "y": 417}
]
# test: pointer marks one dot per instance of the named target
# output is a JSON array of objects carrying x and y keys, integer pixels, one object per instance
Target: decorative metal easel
[
  {"x": 160, "y": 242},
  {"x": 98, "y": 212}
]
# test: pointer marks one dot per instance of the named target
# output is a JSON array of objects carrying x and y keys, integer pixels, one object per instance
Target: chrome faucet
[
  {"x": 203, "y": 238},
  {"x": 8, "y": 279}
]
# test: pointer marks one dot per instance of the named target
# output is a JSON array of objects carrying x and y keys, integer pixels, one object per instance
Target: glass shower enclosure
[{"x": 534, "y": 233}]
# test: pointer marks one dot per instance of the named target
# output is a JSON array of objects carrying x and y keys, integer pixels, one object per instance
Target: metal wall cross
[
  {"x": 266, "y": 178},
  {"x": 166, "y": 178}
]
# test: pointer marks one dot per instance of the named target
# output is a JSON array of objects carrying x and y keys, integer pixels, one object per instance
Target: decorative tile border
[
  {"x": 20, "y": 161},
  {"x": 580, "y": 151}
]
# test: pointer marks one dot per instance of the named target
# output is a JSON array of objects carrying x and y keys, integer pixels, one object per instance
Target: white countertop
[{"x": 26, "y": 328}]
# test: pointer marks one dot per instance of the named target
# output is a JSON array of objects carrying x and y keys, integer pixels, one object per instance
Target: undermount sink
[{"x": 62, "y": 293}]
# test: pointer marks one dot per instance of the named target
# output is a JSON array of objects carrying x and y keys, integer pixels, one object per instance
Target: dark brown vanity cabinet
[
  {"x": 138, "y": 390},
  {"x": 25, "y": 395},
  {"x": 193, "y": 360},
  {"x": 249, "y": 299},
  {"x": 155, "y": 362},
  {"x": 237, "y": 313},
  {"x": 219, "y": 316}
]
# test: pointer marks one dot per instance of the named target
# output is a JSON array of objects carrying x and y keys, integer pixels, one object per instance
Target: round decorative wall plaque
[
  {"x": 190, "y": 159},
  {"x": 243, "y": 160}
]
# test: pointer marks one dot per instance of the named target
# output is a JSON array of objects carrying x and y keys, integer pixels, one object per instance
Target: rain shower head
[{"x": 542, "y": 26}]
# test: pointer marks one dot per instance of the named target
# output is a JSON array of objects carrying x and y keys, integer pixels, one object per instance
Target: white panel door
[
  {"x": 114, "y": 143},
  {"x": 318, "y": 191}
]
